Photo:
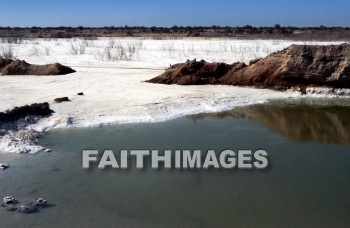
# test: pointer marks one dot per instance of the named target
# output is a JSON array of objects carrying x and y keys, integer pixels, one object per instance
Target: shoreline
[{"x": 10, "y": 143}]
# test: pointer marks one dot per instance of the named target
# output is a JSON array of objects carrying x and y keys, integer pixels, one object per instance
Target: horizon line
[{"x": 276, "y": 26}]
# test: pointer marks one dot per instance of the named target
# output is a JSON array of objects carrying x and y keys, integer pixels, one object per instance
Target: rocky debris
[
  {"x": 27, "y": 135},
  {"x": 3, "y": 166},
  {"x": 26, "y": 208},
  {"x": 80, "y": 94},
  {"x": 11, "y": 205},
  {"x": 297, "y": 65},
  {"x": 9, "y": 200},
  {"x": 40, "y": 202},
  {"x": 331, "y": 92},
  {"x": 20, "y": 139},
  {"x": 61, "y": 99},
  {"x": 16, "y": 134},
  {"x": 10, "y": 144},
  {"x": 21, "y": 67},
  {"x": 40, "y": 109}
]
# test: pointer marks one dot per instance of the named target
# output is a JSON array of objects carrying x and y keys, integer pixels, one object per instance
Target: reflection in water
[
  {"x": 306, "y": 184},
  {"x": 298, "y": 122}
]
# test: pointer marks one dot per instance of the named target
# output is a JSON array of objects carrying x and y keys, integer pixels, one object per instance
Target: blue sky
[{"x": 179, "y": 12}]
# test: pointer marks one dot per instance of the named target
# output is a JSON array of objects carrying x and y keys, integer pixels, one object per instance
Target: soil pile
[
  {"x": 20, "y": 67},
  {"x": 37, "y": 109},
  {"x": 297, "y": 65}
]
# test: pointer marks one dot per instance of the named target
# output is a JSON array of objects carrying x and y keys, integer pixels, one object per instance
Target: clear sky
[{"x": 25, "y": 13}]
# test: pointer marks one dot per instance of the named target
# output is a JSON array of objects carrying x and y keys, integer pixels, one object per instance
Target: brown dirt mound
[
  {"x": 297, "y": 65},
  {"x": 38, "y": 109},
  {"x": 61, "y": 99},
  {"x": 20, "y": 67}
]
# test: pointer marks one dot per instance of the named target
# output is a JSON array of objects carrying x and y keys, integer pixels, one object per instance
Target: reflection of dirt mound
[
  {"x": 301, "y": 123},
  {"x": 295, "y": 65},
  {"x": 18, "y": 67}
]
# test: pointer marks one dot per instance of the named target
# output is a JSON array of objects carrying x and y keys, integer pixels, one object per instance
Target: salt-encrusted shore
[
  {"x": 116, "y": 92},
  {"x": 121, "y": 96}
]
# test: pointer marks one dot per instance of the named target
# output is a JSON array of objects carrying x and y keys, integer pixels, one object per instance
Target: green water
[{"x": 306, "y": 185}]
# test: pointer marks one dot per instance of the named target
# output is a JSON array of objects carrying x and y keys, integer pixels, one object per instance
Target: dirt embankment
[
  {"x": 297, "y": 65},
  {"x": 20, "y": 67},
  {"x": 40, "y": 109}
]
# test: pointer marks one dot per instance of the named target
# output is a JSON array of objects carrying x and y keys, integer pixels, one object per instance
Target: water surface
[{"x": 306, "y": 185}]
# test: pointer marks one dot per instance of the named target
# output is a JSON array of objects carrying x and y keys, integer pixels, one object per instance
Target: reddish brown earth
[
  {"x": 297, "y": 65},
  {"x": 20, "y": 67}
]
